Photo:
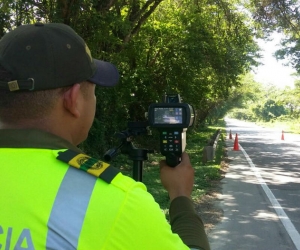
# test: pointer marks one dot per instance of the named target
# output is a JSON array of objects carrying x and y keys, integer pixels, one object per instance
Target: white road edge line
[{"x": 290, "y": 228}]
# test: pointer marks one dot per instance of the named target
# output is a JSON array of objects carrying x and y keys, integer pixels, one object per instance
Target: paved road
[{"x": 260, "y": 192}]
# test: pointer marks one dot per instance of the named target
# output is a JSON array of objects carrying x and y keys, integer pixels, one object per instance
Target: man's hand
[{"x": 179, "y": 180}]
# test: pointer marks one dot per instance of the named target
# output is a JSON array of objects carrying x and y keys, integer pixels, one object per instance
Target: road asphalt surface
[{"x": 253, "y": 219}]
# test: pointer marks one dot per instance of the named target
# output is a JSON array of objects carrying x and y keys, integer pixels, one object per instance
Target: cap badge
[{"x": 13, "y": 85}]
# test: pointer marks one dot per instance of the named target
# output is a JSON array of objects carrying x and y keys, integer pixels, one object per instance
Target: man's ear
[{"x": 71, "y": 100}]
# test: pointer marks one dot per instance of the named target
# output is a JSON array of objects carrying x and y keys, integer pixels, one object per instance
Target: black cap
[{"x": 48, "y": 56}]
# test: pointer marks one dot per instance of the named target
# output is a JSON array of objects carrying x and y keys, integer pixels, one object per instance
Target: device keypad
[{"x": 171, "y": 141}]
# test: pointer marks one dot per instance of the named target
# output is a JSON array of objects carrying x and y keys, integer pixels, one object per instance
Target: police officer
[{"x": 53, "y": 196}]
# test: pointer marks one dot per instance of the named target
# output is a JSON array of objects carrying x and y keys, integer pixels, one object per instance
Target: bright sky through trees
[{"x": 273, "y": 71}]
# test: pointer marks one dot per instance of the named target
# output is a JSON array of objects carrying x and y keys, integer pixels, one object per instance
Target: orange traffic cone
[
  {"x": 236, "y": 143},
  {"x": 282, "y": 135},
  {"x": 230, "y": 135}
]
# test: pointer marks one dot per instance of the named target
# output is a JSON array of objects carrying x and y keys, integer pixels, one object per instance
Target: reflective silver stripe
[{"x": 69, "y": 209}]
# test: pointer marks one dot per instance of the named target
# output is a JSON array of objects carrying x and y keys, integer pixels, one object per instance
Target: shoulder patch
[{"x": 88, "y": 164}]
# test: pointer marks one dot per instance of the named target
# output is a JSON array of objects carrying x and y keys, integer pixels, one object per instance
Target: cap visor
[{"x": 106, "y": 74}]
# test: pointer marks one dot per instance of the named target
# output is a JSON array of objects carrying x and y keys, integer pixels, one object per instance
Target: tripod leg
[{"x": 138, "y": 171}]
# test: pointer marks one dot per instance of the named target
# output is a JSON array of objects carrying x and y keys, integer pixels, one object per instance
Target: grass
[{"x": 205, "y": 173}]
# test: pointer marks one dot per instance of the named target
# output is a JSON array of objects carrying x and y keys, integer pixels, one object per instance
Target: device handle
[{"x": 172, "y": 160}]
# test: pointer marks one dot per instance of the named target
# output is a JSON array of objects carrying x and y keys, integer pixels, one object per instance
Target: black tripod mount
[{"x": 137, "y": 155}]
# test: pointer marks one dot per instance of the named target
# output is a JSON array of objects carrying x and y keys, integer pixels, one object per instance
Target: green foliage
[
  {"x": 283, "y": 16},
  {"x": 243, "y": 114},
  {"x": 271, "y": 110},
  {"x": 260, "y": 103},
  {"x": 196, "y": 48}
]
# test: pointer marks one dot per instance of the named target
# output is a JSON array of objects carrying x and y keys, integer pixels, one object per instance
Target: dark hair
[{"x": 19, "y": 105}]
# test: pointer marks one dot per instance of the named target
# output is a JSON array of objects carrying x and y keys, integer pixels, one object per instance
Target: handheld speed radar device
[{"x": 172, "y": 120}]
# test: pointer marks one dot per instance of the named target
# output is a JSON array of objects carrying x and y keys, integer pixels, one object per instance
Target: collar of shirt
[{"x": 33, "y": 138}]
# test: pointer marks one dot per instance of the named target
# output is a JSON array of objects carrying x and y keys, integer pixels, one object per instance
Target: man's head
[{"x": 46, "y": 71}]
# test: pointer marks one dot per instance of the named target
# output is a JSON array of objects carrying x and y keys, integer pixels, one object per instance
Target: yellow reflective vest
[{"x": 48, "y": 204}]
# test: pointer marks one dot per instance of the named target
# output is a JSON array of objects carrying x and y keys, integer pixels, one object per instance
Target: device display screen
[{"x": 167, "y": 115}]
